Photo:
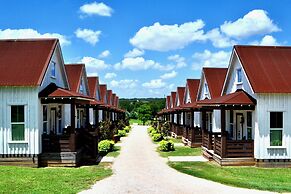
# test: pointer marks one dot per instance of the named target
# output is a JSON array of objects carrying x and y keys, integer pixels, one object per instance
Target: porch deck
[{"x": 192, "y": 136}]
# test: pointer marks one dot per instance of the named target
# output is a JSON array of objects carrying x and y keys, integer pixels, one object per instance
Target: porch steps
[
  {"x": 70, "y": 159},
  {"x": 245, "y": 161},
  {"x": 208, "y": 154}
]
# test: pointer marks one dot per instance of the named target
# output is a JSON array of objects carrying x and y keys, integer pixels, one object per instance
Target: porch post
[
  {"x": 203, "y": 126},
  {"x": 73, "y": 115},
  {"x": 223, "y": 134},
  {"x": 192, "y": 126}
]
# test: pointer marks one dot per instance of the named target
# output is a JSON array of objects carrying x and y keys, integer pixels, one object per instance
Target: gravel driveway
[{"x": 139, "y": 169}]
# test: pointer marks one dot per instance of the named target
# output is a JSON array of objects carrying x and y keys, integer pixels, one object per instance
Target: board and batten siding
[
  {"x": 27, "y": 96},
  {"x": 267, "y": 103}
]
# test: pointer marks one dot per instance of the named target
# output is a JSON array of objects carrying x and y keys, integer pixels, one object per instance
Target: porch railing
[
  {"x": 208, "y": 139},
  {"x": 60, "y": 143}
]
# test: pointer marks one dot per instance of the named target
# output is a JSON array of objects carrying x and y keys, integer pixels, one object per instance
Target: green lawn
[
  {"x": 115, "y": 152},
  {"x": 175, "y": 140},
  {"x": 182, "y": 151},
  {"x": 131, "y": 121},
  {"x": 51, "y": 180},
  {"x": 272, "y": 179}
]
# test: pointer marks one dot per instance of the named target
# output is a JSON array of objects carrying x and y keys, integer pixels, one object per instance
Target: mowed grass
[
  {"x": 132, "y": 121},
  {"x": 175, "y": 140},
  {"x": 115, "y": 152},
  {"x": 271, "y": 179},
  {"x": 182, "y": 151},
  {"x": 51, "y": 180}
]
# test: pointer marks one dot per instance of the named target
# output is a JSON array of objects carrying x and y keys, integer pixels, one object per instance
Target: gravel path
[{"x": 139, "y": 169}]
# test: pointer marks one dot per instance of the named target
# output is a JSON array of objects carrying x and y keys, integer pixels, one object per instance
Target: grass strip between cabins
[
  {"x": 115, "y": 152},
  {"x": 51, "y": 180},
  {"x": 182, "y": 151},
  {"x": 271, "y": 179}
]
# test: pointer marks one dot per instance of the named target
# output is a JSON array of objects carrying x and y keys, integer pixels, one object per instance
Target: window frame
[
  {"x": 53, "y": 69},
  {"x": 249, "y": 126},
  {"x": 239, "y": 75},
  {"x": 45, "y": 122},
  {"x": 24, "y": 140},
  {"x": 276, "y": 129}
]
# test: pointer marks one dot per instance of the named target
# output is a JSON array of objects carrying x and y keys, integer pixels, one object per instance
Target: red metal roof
[
  {"x": 236, "y": 98},
  {"x": 193, "y": 86},
  {"x": 23, "y": 62},
  {"x": 60, "y": 92},
  {"x": 103, "y": 92},
  {"x": 215, "y": 79},
  {"x": 92, "y": 82},
  {"x": 109, "y": 96},
  {"x": 268, "y": 68},
  {"x": 117, "y": 101},
  {"x": 113, "y": 99},
  {"x": 180, "y": 93},
  {"x": 173, "y": 99},
  {"x": 74, "y": 73},
  {"x": 168, "y": 102}
]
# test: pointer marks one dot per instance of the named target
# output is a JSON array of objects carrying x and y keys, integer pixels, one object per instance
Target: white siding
[
  {"x": 231, "y": 84},
  {"x": 202, "y": 90},
  {"x": 27, "y": 96},
  {"x": 187, "y": 98},
  {"x": 91, "y": 116},
  {"x": 59, "y": 79},
  {"x": 197, "y": 119},
  {"x": 265, "y": 104},
  {"x": 100, "y": 115},
  {"x": 216, "y": 121}
]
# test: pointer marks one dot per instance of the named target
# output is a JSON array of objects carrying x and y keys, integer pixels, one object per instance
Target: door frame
[{"x": 54, "y": 109}]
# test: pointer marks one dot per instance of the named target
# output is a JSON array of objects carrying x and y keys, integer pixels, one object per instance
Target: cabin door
[
  {"x": 239, "y": 126},
  {"x": 53, "y": 120}
]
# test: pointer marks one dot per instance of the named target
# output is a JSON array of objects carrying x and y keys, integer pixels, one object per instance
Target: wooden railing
[
  {"x": 89, "y": 143},
  {"x": 208, "y": 139},
  {"x": 239, "y": 148},
  {"x": 60, "y": 143}
]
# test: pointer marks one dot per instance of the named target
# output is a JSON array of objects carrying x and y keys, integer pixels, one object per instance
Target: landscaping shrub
[
  {"x": 127, "y": 129},
  {"x": 121, "y": 133},
  {"x": 166, "y": 145},
  {"x": 153, "y": 132},
  {"x": 157, "y": 137},
  {"x": 105, "y": 146},
  {"x": 105, "y": 131},
  {"x": 150, "y": 129}
]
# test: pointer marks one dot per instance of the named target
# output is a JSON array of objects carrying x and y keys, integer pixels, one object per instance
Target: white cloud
[
  {"x": 169, "y": 75},
  {"x": 253, "y": 23},
  {"x": 124, "y": 84},
  {"x": 110, "y": 75},
  {"x": 267, "y": 40},
  {"x": 134, "y": 53},
  {"x": 180, "y": 61},
  {"x": 94, "y": 65},
  {"x": 154, "y": 84},
  {"x": 96, "y": 9},
  {"x": 209, "y": 59},
  {"x": 104, "y": 54},
  {"x": 168, "y": 37},
  {"x": 88, "y": 35},
  {"x": 218, "y": 39},
  {"x": 31, "y": 33}
]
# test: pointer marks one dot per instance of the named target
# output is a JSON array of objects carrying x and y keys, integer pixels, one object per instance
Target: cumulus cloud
[
  {"x": 253, "y": 23},
  {"x": 90, "y": 36},
  {"x": 124, "y": 84},
  {"x": 218, "y": 39},
  {"x": 267, "y": 40},
  {"x": 134, "y": 53},
  {"x": 110, "y": 75},
  {"x": 93, "y": 65},
  {"x": 96, "y": 9},
  {"x": 104, "y": 54},
  {"x": 31, "y": 33},
  {"x": 180, "y": 61},
  {"x": 154, "y": 84},
  {"x": 210, "y": 59},
  {"x": 169, "y": 75},
  {"x": 168, "y": 37}
]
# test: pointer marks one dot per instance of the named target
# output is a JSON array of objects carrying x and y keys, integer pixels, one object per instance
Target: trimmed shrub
[
  {"x": 127, "y": 129},
  {"x": 166, "y": 145},
  {"x": 153, "y": 132},
  {"x": 105, "y": 146},
  {"x": 121, "y": 133},
  {"x": 157, "y": 137},
  {"x": 150, "y": 129}
]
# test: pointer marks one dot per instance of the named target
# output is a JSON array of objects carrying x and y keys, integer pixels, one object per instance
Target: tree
[{"x": 144, "y": 113}]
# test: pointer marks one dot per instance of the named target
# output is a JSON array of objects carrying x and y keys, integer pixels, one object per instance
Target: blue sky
[{"x": 147, "y": 48}]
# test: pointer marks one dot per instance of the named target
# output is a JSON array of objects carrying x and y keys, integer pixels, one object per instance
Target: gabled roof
[
  {"x": 173, "y": 99},
  {"x": 237, "y": 98},
  {"x": 113, "y": 99},
  {"x": 192, "y": 85},
  {"x": 93, "y": 83},
  {"x": 23, "y": 62},
  {"x": 180, "y": 95},
  {"x": 117, "y": 101},
  {"x": 103, "y": 92},
  {"x": 109, "y": 97},
  {"x": 268, "y": 68},
  {"x": 168, "y": 102},
  {"x": 74, "y": 73},
  {"x": 215, "y": 79}
]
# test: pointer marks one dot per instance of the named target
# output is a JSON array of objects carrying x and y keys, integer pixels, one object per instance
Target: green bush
[
  {"x": 150, "y": 129},
  {"x": 153, "y": 132},
  {"x": 127, "y": 129},
  {"x": 121, "y": 133},
  {"x": 157, "y": 137},
  {"x": 166, "y": 145},
  {"x": 105, "y": 146}
]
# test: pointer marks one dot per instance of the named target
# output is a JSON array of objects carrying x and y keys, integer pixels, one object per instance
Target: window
[
  {"x": 209, "y": 121},
  {"x": 206, "y": 89},
  {"x": 81, "y": 87},
  {"x": 276, "y": 128},
  {"x": 44, "y": 116},
  {"x": 231, "y": 124},
  {"x": 249, "y": 126},
  {"x": 53, "y": 69},
  {"x": 239, "y": 75},
  {"x": 17, "y": 123}
]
